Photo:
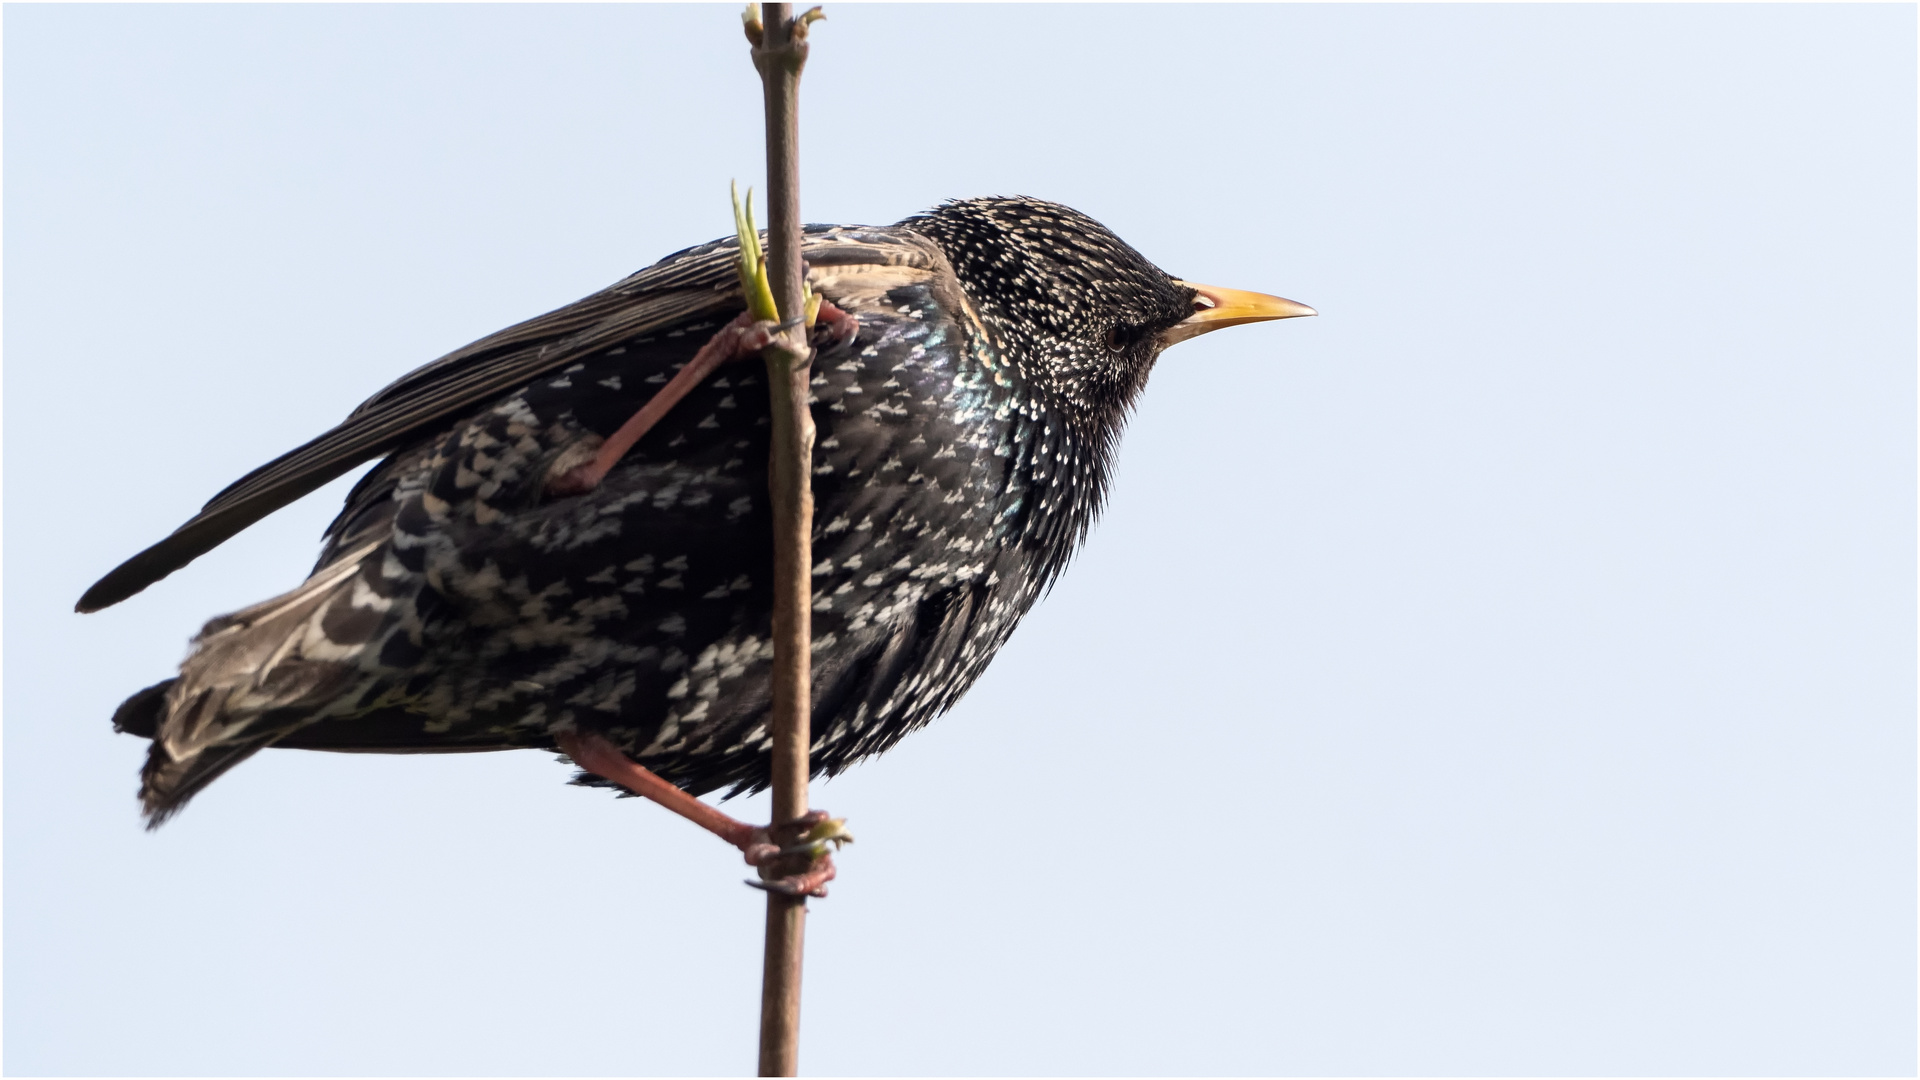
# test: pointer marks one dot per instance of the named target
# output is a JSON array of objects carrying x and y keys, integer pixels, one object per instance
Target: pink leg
[
  {"x": 802, "y": 867},
  {"x": 740, "y": 338},
  {"x": 601, "y": 758}
]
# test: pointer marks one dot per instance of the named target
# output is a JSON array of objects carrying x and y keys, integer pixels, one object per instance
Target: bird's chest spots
[{"x": 910, "y": 465}]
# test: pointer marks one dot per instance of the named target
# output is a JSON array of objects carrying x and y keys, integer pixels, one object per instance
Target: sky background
[{"x": 1510, "y": 671}]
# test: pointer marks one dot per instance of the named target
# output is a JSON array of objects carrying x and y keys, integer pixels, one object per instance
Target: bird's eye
[{"x": 1119, "y": 338}]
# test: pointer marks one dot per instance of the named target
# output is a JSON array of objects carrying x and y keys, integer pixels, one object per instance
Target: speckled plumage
[{"x": 964, "y": 442}]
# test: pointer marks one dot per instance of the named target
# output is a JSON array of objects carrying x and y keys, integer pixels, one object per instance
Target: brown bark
[{"x": 780, "y": 55}]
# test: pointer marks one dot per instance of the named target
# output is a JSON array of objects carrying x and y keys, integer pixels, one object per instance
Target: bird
[{"x": 504, "y": 577}]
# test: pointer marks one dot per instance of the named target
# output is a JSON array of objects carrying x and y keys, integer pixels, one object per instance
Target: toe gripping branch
[{"x": 794, "y": 858}]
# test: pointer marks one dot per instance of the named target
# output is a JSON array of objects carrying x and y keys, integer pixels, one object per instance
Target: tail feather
[
  {"x": 253, "y": 678},
  {"x": 166, "y": 783},
  {"x": 140, "y": 714}
]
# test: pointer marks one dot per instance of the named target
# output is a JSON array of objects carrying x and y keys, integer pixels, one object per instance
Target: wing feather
[{"x": 681, "y": 286}]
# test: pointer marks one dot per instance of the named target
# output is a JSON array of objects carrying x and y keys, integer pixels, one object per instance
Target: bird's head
[{"x": 1080, "y": 314}]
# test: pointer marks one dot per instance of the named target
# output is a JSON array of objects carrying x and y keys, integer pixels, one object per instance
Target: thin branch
[{"x": 779, "y": 53}]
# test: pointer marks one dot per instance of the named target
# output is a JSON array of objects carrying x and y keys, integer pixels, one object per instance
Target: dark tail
[
  {"x": 166, "y": 784},
  {"x": 247, "y": 684},
  {"x": 140, "y": 714},
  {"x": 166, "y": 781}
]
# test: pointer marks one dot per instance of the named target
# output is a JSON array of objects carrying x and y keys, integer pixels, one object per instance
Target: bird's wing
[{"x": 693, "y": 282}]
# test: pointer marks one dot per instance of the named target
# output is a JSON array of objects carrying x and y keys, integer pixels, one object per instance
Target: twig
[{"x": 779, "y": 52}]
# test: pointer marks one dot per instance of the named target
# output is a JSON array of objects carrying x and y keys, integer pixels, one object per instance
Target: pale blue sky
[{"x": 1510, "y": 671}]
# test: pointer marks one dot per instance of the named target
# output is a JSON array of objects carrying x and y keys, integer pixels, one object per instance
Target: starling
[{"x": 508, "y": 577}]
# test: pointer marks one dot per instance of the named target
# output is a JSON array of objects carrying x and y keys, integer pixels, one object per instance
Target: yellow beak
[{"x": 1215, "y": 307}]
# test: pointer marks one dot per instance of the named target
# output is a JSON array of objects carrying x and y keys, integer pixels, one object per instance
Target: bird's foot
[
  {"x": 796, "y": 859},
  {"x": 832, "y": 327},
  {"x": 741, "y": 338}
]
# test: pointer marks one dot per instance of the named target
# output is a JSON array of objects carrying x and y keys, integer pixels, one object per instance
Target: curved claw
[{"x": 811, "y": 883}]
